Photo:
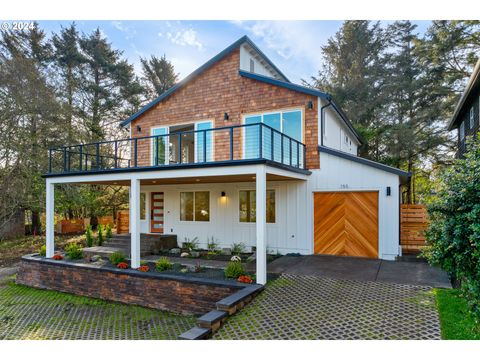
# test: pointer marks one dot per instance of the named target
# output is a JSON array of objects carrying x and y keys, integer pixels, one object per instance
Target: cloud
[
  {"x": 129, "y": 31},
  {"x": 184, "y": 37}
]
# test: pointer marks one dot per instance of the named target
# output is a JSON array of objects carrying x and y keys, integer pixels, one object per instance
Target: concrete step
[{"x": 106, "y": 251}]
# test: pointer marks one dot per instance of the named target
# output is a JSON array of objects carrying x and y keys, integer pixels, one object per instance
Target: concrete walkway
[{"x": 360, "y": 269}]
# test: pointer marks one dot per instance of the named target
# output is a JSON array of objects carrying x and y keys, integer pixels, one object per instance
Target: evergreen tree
[{"x": 159, "y": 75}]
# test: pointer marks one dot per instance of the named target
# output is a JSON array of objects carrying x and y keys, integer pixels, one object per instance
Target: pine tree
[{"x": 158, "y": 74}]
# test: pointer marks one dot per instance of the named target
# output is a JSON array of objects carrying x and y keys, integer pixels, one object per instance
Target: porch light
[
  {"x": 225, "y": 116},
  {"x": 310, "y": 105},
  {"x": 139, "y": 128},
  {"x": 223, "y": 194}
]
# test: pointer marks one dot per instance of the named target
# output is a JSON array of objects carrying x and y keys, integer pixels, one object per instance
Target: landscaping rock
[
  {"x": 175, "y": 251},
  {"x": 195, "y": 254},
  {"x": 184, "y": 254},
  {"x": 226, "y": 251},
  {"x": 95, "y": 258}
]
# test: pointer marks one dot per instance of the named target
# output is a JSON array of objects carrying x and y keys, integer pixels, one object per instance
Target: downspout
[{"x": 322, "y": 118}]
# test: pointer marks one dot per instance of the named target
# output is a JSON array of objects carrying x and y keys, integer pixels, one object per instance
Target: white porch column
[
  {"x": 135, "y": 222},
  {"x": 50, "y": 215},
  {"x": 261, "y": 199}
]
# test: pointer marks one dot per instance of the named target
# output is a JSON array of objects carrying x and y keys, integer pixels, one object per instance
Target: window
[
  {"x": 248, "y": 206},
  {"x": 472, "y": 119},
  {"x": 462, "y": 130},
  {"x": 195, "y": 206},
  {"x": 287, "y": 122},
  {"x": 252, "y": 66},
  {"x": 159, "y": 146},
  {"x": 143, "y": 205}
]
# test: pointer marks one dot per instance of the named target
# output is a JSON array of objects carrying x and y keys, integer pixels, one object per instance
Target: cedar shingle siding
[{"x": 469, "y": 131}]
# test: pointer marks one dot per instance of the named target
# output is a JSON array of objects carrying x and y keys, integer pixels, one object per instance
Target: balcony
[{"x": 180, "y": 148}]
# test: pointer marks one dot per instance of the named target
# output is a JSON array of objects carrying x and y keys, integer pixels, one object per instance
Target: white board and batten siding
[{"x": 287, "y": 235}]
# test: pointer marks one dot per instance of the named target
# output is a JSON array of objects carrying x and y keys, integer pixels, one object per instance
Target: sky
[{"x": 293, "y": 46}]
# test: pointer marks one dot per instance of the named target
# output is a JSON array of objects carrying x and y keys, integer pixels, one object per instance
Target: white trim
[
  {"x": 50, "y": 219},
  {"x": 261, "y": 229},
  {"x": 135, "y": 223}
]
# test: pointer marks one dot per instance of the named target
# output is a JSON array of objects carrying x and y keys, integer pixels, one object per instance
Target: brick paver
[
  {"x": 27, "y": 313},
  {"x": 313, "y": 307}
]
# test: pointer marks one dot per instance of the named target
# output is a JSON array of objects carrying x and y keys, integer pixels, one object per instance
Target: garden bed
[{"x": 172, "y": 289}]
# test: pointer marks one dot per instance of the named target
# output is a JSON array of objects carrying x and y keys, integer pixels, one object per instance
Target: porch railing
[{"x": 206, "y": 146}]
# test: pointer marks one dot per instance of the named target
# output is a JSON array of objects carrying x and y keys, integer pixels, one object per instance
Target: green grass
[{"x": 456, "y": 321}]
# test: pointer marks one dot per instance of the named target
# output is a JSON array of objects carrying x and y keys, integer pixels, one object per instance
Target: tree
[
  {"x": 354, "y": 75},
  {"x": 110, "y": 88},
  {"x": 454, "y": 232},
  {"x": 158, "y": 74}
]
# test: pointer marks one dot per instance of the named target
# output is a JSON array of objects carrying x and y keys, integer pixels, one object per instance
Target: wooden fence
[
  {"x": 413, "y": 223},
  {"x": 123, "y": 220}
]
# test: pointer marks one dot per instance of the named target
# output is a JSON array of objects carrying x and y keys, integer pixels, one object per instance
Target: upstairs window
[
  {"x": 472, "y": 119},
  {"x": 462, "y": 130},
  {"x": 252, "y": 66}
]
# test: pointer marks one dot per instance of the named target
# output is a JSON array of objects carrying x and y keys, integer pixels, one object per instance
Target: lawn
[
  {"x": 27, "y": 313},
  {"x": 11, "y": 250},
  {"x": 455, "y": 320}
]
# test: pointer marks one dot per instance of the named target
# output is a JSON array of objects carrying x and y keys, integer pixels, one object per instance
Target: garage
[{"x": 346, "y": 223}]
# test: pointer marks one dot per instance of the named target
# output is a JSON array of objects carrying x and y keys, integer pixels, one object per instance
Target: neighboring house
[
  {"x": 466, "y": 115},
  {"x": 237, "y": 152}
]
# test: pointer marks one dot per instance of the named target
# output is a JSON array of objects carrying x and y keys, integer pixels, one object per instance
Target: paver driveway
[{"x": 314, "y": 307}]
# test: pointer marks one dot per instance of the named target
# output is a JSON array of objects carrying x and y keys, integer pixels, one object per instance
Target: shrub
[
  {"x": 234, "y": 270},
  {"x": 43, "y": 251},
  {"x": 163, "y": 264},
  {"x": 100, "y": 236},
  {"x": 238, "y": 248},
  {"x": 57, "y": 257},
  {"x": 212, "y": 245},
  {"x": 453, "y": 237},
  {"x": 144, "y": 268},
  {"x": 108, "y": 232},
  {"x": 116, "y": 258},
  {"x": 89, "y": 236},
  {"x": 122, "y": 265},
  {"x": 73, "y": 251},
  {"x": 190, "y": 245},
  {"x": 245, "y": 279}
]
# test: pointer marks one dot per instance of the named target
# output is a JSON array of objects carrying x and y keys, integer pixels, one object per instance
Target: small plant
[
  {"x": 163, "y": 264},
  {"x": 43, "y": 251},
  {"x": 212, "y": 245},
  {"x": 234, "y": 270},
  {"x": 108, "y": 232},
  {"x": 89, "y": 236},
  {"x": 236, "y": 258},
  {"x": 117, "y": 258},
  {"x": 100, "y": 235},
  {"x": 57, "y": 257},
  {"x": 238, "y": 248},
  {"x": 122, "y": 265},
  {"x": 73, "y": 251},
  {"x": 190, "y": 244},
  {"x": 245, "y": 279},
  {"x": 198, "y": 268},
  {"x": 144, "y": 268},
  {"x": 184, "y": 270}
]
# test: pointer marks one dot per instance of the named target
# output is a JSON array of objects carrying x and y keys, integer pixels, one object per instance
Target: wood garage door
[{"x": 346, "y": 223}]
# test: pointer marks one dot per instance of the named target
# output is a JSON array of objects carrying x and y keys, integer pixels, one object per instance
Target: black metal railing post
[
  {"x": 204, "y": 145},
  {"x": 272, "y": 139},
  {"x": 49, "y": 160},
  {"x": 116, "y": 154},
  {"x": 64, "y": 159},
  {"x": 179, "y": 148},
  {"x": 135, "y": 163},
  {"x": 260, "y": 141},
  {"x": 290, "y": 151},
  {"x": 298, "y": 154},
  {"x": 155, "y": 156},
  {"x": 304, "y": 155},
  {"x": 282, "y": 160},
  {"x": 231, "y": 143}
]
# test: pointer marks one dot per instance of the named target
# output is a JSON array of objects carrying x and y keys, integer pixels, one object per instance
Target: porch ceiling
[{"x": 196, "y": 180}]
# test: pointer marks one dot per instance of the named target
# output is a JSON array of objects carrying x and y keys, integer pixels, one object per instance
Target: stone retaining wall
[{"x": 165, "y": 292}]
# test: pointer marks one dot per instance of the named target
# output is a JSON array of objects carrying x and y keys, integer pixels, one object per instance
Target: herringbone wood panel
[{"x": 346, "y": 223}]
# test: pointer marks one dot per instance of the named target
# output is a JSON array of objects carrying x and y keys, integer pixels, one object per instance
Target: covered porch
[{"x": 257, "y": 175}]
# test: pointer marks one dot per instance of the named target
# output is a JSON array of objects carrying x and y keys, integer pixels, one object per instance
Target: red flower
[
  {"x": 245, "y": 279},
  {"x": 57, "y": 257},
  {"x": 144, "y": 268},
  {"x": 122, "y": 265}
]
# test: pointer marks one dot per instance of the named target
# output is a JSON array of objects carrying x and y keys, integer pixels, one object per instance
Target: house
[
  {"x": 237, "y": 152},
  {"x": 466, "y": 115}
]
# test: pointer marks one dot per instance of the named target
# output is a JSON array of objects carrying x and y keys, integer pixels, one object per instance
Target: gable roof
[
  {"x": 305, "y": 90},
  {"x": 472, "y": 86},
  {"x": 243, "y": 40}
]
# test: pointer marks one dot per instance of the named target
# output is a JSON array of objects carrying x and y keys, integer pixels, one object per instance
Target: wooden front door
[
  {"x": 346, "y": 223},
  {"x": 156, "y": 215}
]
